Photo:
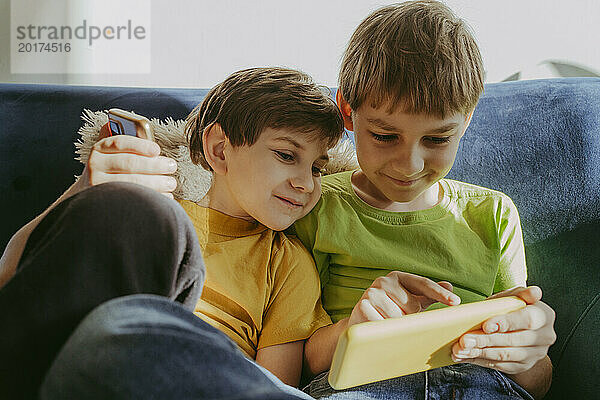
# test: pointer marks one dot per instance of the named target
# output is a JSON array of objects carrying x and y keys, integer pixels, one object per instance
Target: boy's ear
[
  {"x": 345, "y": 109},
  {"x": 213, "y": 144},
  {"x": 467, "y": 122}
]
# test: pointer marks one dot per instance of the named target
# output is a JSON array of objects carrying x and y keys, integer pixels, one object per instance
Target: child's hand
[
  {"x": 400, "y": 293},
  {"x": 514, "y": 342},
  {"x": 125, "y": 158}
]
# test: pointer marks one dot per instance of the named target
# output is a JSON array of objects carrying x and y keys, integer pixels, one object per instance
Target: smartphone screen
[
  {"x": 121, "y": 126},
  {"x": 121, "y": 122}
]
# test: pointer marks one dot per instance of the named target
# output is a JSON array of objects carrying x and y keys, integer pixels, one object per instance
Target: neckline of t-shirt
[
  {"x": 224, "y": 224},
  {"x": 402, "y": 217}
]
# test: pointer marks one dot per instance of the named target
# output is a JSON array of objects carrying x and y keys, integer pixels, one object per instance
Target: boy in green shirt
[{"x": 409, "y": 99}]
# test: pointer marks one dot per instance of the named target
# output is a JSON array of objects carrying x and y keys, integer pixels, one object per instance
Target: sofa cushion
[{"x": 568, "y": 381}]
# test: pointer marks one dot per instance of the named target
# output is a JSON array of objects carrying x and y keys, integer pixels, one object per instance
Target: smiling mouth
[
  {"x": 400, "y": 182},
  {"x": 290, "y": 202}
]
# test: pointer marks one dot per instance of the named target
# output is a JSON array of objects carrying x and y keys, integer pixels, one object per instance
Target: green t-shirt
[{"x": 472, "y": 239}]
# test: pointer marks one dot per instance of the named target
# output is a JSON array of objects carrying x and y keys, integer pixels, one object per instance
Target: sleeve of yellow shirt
[{"x": 294, "y": 309}]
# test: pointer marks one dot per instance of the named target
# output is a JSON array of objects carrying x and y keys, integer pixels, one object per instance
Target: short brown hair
[
  {"x": 416, "y": 55},
  {"x": 251, "y": 100}
]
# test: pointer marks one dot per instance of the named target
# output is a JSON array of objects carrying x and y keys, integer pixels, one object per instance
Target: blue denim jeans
[
  {"x": 149, "y": 347},
  {"x": 459, "y": 381},
  {"x": 108, "y": 241}
]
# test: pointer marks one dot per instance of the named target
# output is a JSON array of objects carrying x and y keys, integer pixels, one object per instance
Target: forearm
[
  {"x": 283, "y": 360},
  {"x": 319, "y": 348},
  {"x": 537, "y": 379},
  {"x": 14, "y": 249}
]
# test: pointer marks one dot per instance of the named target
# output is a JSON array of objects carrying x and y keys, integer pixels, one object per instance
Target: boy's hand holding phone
[
  {"x": 514, "y": 342},
  {"x": 400, "y": 293},
  {"x": 124, "y": 157}
]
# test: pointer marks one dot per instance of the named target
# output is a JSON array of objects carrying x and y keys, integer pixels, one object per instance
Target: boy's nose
[
  {"x": 303, "y": 182},
  {"x": 408, "y": 164}
]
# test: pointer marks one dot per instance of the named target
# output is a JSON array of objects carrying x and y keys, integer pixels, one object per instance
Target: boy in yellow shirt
[
  {"x": 409, "y": 81},
  {"x": 265, "y": 133}
]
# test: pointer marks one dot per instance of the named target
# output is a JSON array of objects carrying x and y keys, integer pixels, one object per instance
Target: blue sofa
[{"x": 537, "y": 141}]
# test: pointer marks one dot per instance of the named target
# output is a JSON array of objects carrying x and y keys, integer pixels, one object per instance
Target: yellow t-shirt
[{"x": 261, "y": 288}]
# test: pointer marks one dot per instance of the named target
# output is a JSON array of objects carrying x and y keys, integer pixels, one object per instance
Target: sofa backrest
[
  {"x": 38, "y": 126},
  {"x": 539, "y": 142}
]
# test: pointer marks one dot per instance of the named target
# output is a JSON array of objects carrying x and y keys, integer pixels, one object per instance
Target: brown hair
[
  {"x": 251, "y": 100},
  {"x": 416, "y": 55}
]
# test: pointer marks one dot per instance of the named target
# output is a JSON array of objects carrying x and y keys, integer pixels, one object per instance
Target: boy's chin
[
  {"x": 278, "y": 225},
  {"x": 280, "y": 221},
  {"x": 279, "y": 228}
]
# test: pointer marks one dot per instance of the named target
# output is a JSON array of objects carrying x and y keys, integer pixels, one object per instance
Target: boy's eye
[
  {"x": 438, "y": 139},
  {"x": 284, "y": 156},
  {"x": 317, "y": 171},
  {"x": 383, "y": 138}
]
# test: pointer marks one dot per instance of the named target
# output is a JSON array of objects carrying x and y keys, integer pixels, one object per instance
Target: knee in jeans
[
  {"x": 121, "y": 196},
  {"x": 124, "y": 205},
  {"x": 132, "y": 223}
]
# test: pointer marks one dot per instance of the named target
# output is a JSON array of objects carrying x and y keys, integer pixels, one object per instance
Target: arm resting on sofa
[{"x": 16, "y": 245}]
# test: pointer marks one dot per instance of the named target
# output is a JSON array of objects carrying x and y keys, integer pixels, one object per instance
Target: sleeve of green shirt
[{"x": 512, "y": 270}]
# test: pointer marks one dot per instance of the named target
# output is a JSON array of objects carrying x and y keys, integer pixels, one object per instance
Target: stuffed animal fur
[{"x": 193, "y": 181}]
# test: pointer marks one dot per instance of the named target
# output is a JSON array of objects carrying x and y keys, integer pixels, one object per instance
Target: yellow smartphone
[
  {"x": 378, "y": 350},
  {"x": 121, "y": 122}
]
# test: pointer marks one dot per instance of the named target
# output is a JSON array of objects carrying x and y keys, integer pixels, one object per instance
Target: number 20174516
[{"x": 44, "y": 47}]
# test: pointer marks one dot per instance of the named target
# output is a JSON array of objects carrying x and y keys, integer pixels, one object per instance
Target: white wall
[{"x": 196, "y": 43}]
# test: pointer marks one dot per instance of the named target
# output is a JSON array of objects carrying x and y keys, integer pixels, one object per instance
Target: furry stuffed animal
[{"x": 193, "y": 181}]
